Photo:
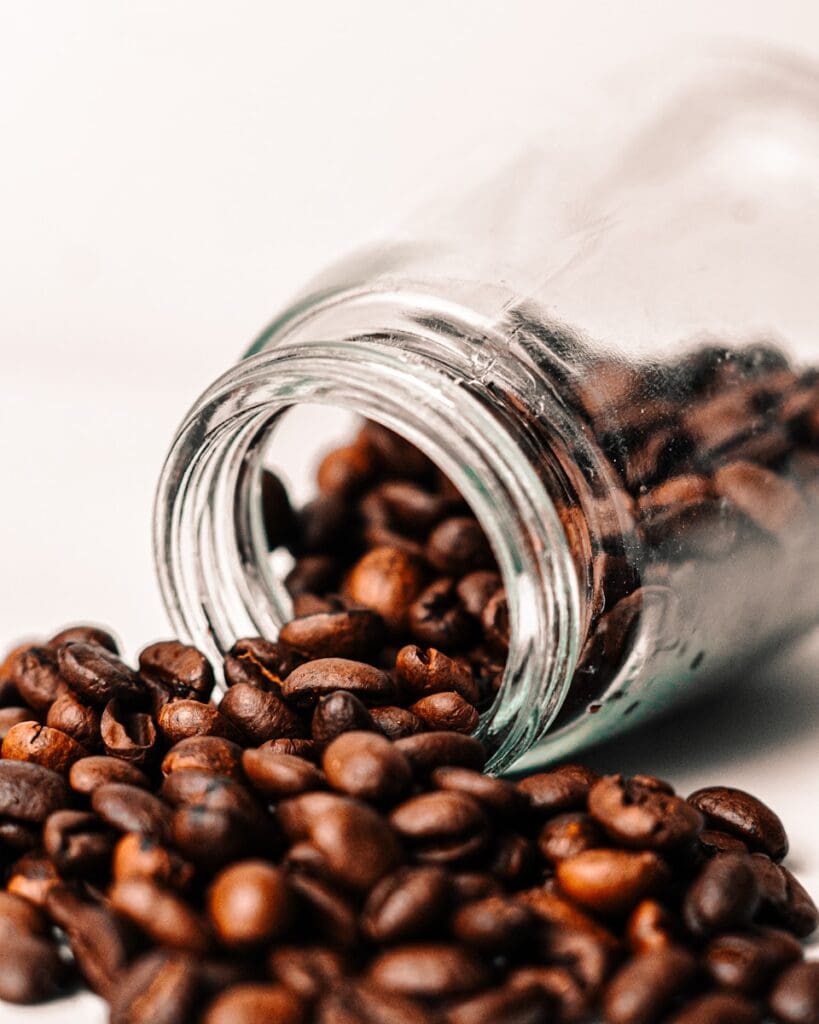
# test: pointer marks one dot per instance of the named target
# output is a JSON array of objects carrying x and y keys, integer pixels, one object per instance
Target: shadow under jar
[{"x": 617, "y": 378}]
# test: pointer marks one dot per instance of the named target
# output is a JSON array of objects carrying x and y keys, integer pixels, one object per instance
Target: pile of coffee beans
[{"x": 323, "y": 847}]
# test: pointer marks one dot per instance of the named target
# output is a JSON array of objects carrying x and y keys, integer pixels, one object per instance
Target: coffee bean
[
  {"x": 259, "y": 715},
  {"x": 425, "y": 671},
  {"x": 794, "y": 998},
  {"x": 161, "y": 987},
  {"x": 130, "y": 809},
  {"x": 497, "y": 796},
  {"x": 767, "y": 499},
  {"x": 250, "y": 903},
  {"x": 308, "y": 971},
  {"x": 35, "y": 675},
  {"x": 210, "y": 753},
  {"x": 295, "y": 748},
  {"x": 29, "y": 792},
  {"x": 367, "y": 766},
  {"x": 799, "y": 914},
  {"x": 747, "y": 962},
  {"x": 89, "y": 773},
  {"x": 353, "y": 633},
  {"x": 645, "y": 988},
  {"x": 650, "y": 927},
  {"x": 513, "y": 860},
  {"x": 211, "y": 837},
  {"x": 142, "y": 857},
  {"x": 396, "y": 723},
  {"x": 95, "y": 674},
  {"x": 362, "y": 1004},
  {"x": 443, "y": 827},
  {"x": 331, "y": 916},
  {"x": 611, "y": 881},
  {"x": 19, "y": 914},
  {"x": 77, "y": 842},
  {"x": 568, "y": 834},
  {"x": 504, "y": 1005},
  {"x": 306, "y": 684},
  {"x": 437, "y": 618},
  {"x": 183, "y": 718},
  {"x": 32, "y": 877},
  {"x": 277, "y": 512},
  {"x": 386, "y": 580},
  {"x": 278, "y": 776},
  {"x": 712, "y": 841},
  {"x": 458, "y": 546},
  {"x": 430, "y": 750},
  {"x": 724, "y": 895},
  {"x": 161, "y": 914},
  {"x": 446, "y": 711},
  {"x": 312, "y": 575},
  {"x": 77, "y": 720},
  {"x": 428, "y": 970},
  {"x": 39, "y": 744},
  {"x": 83, "y": 633},
  {"x": 408, "y": 904},
  {"x": 9, "y": 717},
  {"x": 127, "y": 733},
  {"x": 260, "y": 663},
  {"x": 563, "y": 789},
  {"x": 468, "y": 886},
  {"x": 30, "y": 968},
  {"x": 565, "y": 993},
  {"x": 180, "y": 670},
  {"x": 744, "y": 816},
  {"x": 718, "y": 1008},
  {"x": 338, "y": 713},
  {"x": 642, "y": 816},
  {"x": 494, "y": 924},
  {"x": 476, "y": 589}
]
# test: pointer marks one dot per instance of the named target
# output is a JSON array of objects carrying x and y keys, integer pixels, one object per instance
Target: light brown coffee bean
[
  {"x": 446, "y": 711},
  {"x": 278, "y": 776},
  {"x": 650, "y": 927},
  {"x": 180, "y": 719},
  {"x": 77, "y": 720},
  {"x": 428, "y": 970},
  {"x": 260, "y": 715},
  {"x": 442, "y": 827},
  {"x": 503, "y": 1005},
  {"x": 84, "y": 633},
  {"x": 386, "y": 580},
  {"x": 209, "y": 753},
  {"x": 250, "y": 903},
  {"x": 794, "y": 998},
  {"x": 130, "y": 809},
  {"x": 89, "y": 773},
  {"x": 127, "y": 732},
  {"x": 718, "y": 1008},
  {"x": 611, "y": 881},
  {"x": 367, "y": 766},
  {"x": 568, "y": 834},
  {"x": 769, "y": 500},
  {"x": 161, "y": 914},
  {"x": 260, "y": 663},
  {"x": 422, "y": 671},
  {"x": 161, "y": 987},
  {"x": 353, "y": 633},
  {"x": 39, "y": 744},
  {"x": 496, "y": 796},
  {"x": 306, "y": 684},
  {"x": 35, "y": 675},
  {"x": 142, "y": 857}
]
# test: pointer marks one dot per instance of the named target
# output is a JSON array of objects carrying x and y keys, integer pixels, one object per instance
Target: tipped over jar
[{"x": 621, "y": 384}]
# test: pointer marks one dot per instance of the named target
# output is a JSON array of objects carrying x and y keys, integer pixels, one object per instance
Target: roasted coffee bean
[
  {"x": 35, "y": 674},
  {"x": 567, "y": 997},
  {"x": 255, "y": 1003},
  {"x": 611, "y": 881},
  {"x": 338, "y": 713},
  {"x": 712, "y": 841},
  {"x": 396, "y": 723},
  {"x": 140, "y": 856},
  {"x": 645, "y": 988},
  {"x": 210, "y": 837},
  {"x": 346, "y": 470},
  {"x": 446, "y": 711},
  {"x": 331, "y": 916},
  {"x": 250, "y": 903},
  {"x": 306, "y": 684},
  {"x": 437, "y": 618},
  {"x": 161, "y": 987},
  {"x": 18, "y": 837},
  {"x": 476, "y": 588},
  {"x": 642, "y": 816},
  {"x": 724, "y": 895},
  {"x": 747, "y": 961},
  {"x": 89, "y": 773},
  {"x": 180, "y": 670},
  {"x": 718, "y": 1008},
  {"x": 29, "y": 792},
  {"x": 422, "y": 671},
  {"x": 496, "y": 623},
  {"x": 127, "y": 733},
  {"x": 442, "y": 827},
  {"x": 260, "y": 715},
  {"x": 39, "y": 744},
  {"x": 32, "y": 877},
  {"x": 95, "y": 674},
  {"x": 161, "y": 914},
  {"x": 386, "y": 580},
  {"x": 77, "y": 842},
  {"x": 397, "y": 456},
  {"x": 503, "y": 1005},
  {"x": 17, "y": 913},
  {"x": 278, "y": 776},
  {"x": 497, "y": 796},
  {"x": 312, "y": 575},
  {"x": 363, "y": 1004},
  {"x": 428, "y": 970},
  {"x": 771, "y": 502},
  {"x": 306, "y": 970},
  {"x": 260, "y": 663},
  {"x": 458, "y": 546},
  {"x": 744, "y": 816},
  {"x": 367, "y": 766},
  {"x": 495, "y": 924},
  {"x": 794, "y": 998},
  {"x": 650, "y": 927},
  {"x": 295, "y": 748},
  {"x": 277, "y": 513},
  {"x": 353, "y": 633},
  {"x": 77, "y": 720},
  {"x": 183, "y": 718},
  {"x": 563, "y": 789},
  {"x": 408, "y": 904},
  {"x": 130, "y": 809},
  {"x": 210, "y": 753},
  {"x": 430, "y": 750},
  {"x": 589, "y": 955},
  {"x": 513, "y": 860},
  {"x": 568, "y": 834},
  {"x": 799, "y": 914},
  {"x": 31, "y": 970},
  {"x": 84, "y": 634},
  {"x": 9, "y": 717}
]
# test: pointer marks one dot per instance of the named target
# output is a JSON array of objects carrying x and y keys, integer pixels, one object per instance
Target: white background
[{"x": 170, "y": 172}]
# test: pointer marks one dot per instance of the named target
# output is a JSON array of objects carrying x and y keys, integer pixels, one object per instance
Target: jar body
[{"x": 641, "y": 354}]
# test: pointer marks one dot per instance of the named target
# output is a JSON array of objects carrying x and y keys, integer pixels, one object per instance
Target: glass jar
[{"x": 616, "y": 375}]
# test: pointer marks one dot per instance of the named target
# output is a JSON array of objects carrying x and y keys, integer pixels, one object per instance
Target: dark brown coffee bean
[
  {"x": 331, "y": 916},
  {"x": 568, "y": 834},
  {"x": 476, "y": 588},
  {"x": 770, "y": 501},
  {"x": 35, "y": 674},
  {"x": 650, "y": 927},
  {"x": 346, "y": 470},
  {"x": 446, "y": 711},
  {"x": 77, "y": 842},
  {"x": 458, "y": 546},
  {"x": 408, "y": 904},
  {"x": 294, "y": 748},
  {"x": 497, "y": 796},
  {"x": 277, "y": 513},
  {"x": 494, "y": 924},
  {"x": 724, "y": 895},
  {"x": 161, "y": 914},
  {"x": 504, "y": 1005},
  {"x": 563, "y": 789},
  {"x": 261, "y": 663},
  {"x": 75, "y": 719},
  {"x": 396, "y": 723},
  {"x": 32, "y": 877},
  {"x": 31, "y": 970},
  {"x": 17, "y": 913},
  {"x": 430, "y": 750},
  {"x": 278, "y": 776},
  {"x": 468, "y": 886},
  {"x": 130, "y": 809},
  {"x": 306, "y": 684},
  {"x": 95, "y": 674},
  {"x": 513, "y": 860},
  {"x": 744, "y": 816},
  {"x": 140, "y": 856},
  {"x": 645, "y": 988},
  {"x": 568, "y": 999},
  {"x": 338, "y": 713},
  {"x": 422, "y": 671},
  {"x": 589, "y": 955},
  {"x": 255, "y": 1003},
  {"x": 312, "y": 575},
  {"x": 181, "y": 670},
  {"x": 437, "y": 618},
  {"x": 746, "y": 962},
  {"x": 428, "y": 970},
  {"x": 161, "y": 987},
  {"x": 794, "y": 998},
  {"x": 83, "y": 633},
  {"x": 127, "y": 733},
  {"x": 386, "y": 580},
  {"x": 718, "y": 1008},
  {"x": 496, "y": 623},
  {"x": 210, "y": 753},
  {"x": 611, "y": 881},
  {"x": 641, "y": 816},
  {"x": 9, "y": 717},
  {"x": 39, "y": 744},
  {"x": 367, "y": 766},
  {"x": 799, "y": 914},
  {"x": 220, "y": 795},
  {"x": 211, "y": 837},
  {"x": 183, "y": 718},
  {"x": 306, "y": 970},
  {"x": 442, "y": 827},
  {"x": 712, "y": 841},
  {"x": 18, "y": 837},
  {"x": 89, "y": 773},
  {"x": 29, "y": 792},
  {"x": 260, "y": 715},
  {"x": 354, "y": 633},
  {"x": 363, "y": 1004},
  {"x": 250, "y": 903}
]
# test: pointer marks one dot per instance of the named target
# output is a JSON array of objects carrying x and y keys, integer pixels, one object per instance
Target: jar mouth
[{"x": 426, "y": 370}]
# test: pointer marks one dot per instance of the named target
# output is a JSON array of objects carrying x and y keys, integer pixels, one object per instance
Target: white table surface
[{"x": 171, "y": 172}]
